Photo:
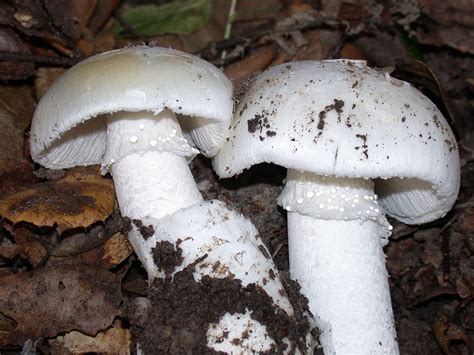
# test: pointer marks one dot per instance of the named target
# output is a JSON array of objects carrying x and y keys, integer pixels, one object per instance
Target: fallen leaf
[
  {"x": 105, "y": 256},
  {"x": 77, "y": 200},
  {"x": 446, "y": 331},
  {"x": 101, "y": 14},
  {"x": 351, "y": 51},
  {"x": 425, "y": 281},
  {"x": 47, "y": 301},
  {"x": 11, "y": 42},
  {"x": 447, "y": 23},
  {"x": 44, "y": 78},
  {"x": 18, "y": 102},
  {"x": 322, "y": 45},
  {"x": 28, "y": 245},
  {"x": 178, "y": 17},
  {"x": 52, "y": 22},
  {"x": 116, "y": 250},
  {"x": 11, "y": 143},
  {"x": 381, "y": 48},
  {"x": 252, "y": 64},
  {"x": 115, "y": 340},
  {"x": 401, "y": 256},
  {"x": 21, "y": 176}
]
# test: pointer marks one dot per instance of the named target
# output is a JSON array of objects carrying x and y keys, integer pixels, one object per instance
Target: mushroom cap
[
  {"x": 130, "y": 79},
  {"x": 342, "y": 118}
]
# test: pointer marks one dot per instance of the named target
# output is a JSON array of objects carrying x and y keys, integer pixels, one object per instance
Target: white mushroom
[
  {"x": 142, "y": 113},
  {"x": 344, "y": 130}
]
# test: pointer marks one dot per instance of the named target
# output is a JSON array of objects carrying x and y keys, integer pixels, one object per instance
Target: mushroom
[
  {"x": 358, "y": 144},
  {"x": 142, "y": 113}
]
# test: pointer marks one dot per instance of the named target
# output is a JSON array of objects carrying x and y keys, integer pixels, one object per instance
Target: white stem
[
  {"x": 151, "y": 176},
  {"x": 341, "y": 268},
  {"x": 147, "y": 153},
  {"x": 154, "y": 184}
]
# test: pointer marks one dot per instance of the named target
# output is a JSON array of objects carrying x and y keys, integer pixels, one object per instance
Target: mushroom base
[
  {"x": 340, "y": 266},
  {"x": 210, "y": 258}
]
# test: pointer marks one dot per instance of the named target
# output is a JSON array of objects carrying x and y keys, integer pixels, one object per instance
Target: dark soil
[{"x": 182, "y": 309}]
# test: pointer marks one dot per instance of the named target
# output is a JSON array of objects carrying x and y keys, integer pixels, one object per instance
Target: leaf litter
[{"x": 431, "y": 266}]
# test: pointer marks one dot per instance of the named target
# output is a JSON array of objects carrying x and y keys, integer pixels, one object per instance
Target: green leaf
[{"x": 177, "y": 17}]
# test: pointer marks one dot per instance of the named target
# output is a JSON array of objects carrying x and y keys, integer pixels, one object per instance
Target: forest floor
[{"x": 48, "y": 239}]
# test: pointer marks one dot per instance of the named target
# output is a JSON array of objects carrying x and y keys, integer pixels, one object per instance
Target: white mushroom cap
[
  {"x": 131, "y": 79},
  {"x": 342, "y": 118}
]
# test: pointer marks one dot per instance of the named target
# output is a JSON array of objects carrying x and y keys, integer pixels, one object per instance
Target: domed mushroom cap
[
  {"x": 131, "y": 79},
  {"x": 342, "y": 118}
]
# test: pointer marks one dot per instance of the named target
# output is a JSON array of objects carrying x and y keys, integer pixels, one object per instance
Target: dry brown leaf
[
  {"x": 351, "y": 51},
  {"x": 83, "y": 10},
  {"x": 401, "y": 256},
  {"x": 20, "y": 177},
  {"x": 101, "y": 14},
  {"x": 116, "y": 249},
  {"x": 105, "y": 256},
  {"x": 17, "y": 101},
  {"x": 27, "y": 245},
  {"x": 256, "y": 62},
  {"x": 11, "y": 42},
  {"x": 446, "y": 331},
  {"x": 115, "y": 340},
  {"x": 47, "y": 301},
  {"x": 44, "y": 78},
  {"x": 447, "y": 23},
  {"x": 77, "y": 200},
  {"x": 321, "y": 45},
  {"x": 16, "y": 110},
  {"x": 11, "y": 143}
]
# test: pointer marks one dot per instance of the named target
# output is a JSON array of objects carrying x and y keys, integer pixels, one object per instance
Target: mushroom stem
[
  {"x": 154, "y": 184},
  {"x": 147, "y": 154},
  {"x": 151, "y": 176},
  {"x": 336, "y": 234},
  {"x": 340, "y": 266}
]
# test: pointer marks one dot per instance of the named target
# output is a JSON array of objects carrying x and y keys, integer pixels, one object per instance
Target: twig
[
  {"x": 38, "y": 59},
  {"x": 228, "y": 26},
  {"x": 298, "y": 23}
]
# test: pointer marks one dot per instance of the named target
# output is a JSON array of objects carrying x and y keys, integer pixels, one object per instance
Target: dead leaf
[
  {"x": 351, "y": 51},
  {"x": 77, "y": 200},
  {"x": 381, "y": 48},
  {"x": 45, "y": 77},
  {"x": 115, "y": 340},
  {"x": 425, "y": 281},
  {"x": 447, "y": 23},
  {"x": 105, "y": 256},
  {"x": 47, "y": 301},
  {"x": 11, "y": 143},
  {"x": 11, "y": 42},
  {"x": 401, "y": 256},
  {"x": 28, "y": 245},
  {"x": 116, "y": 250},
  {"x": 101, "y": 14},
  {"x": 446, "y": 331},
  {"x": 20, "y": 177},
  {"x": 252, "y": 64},
  {"x": 19, "y": 103},
  {"x": 51, "y": 21}
]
